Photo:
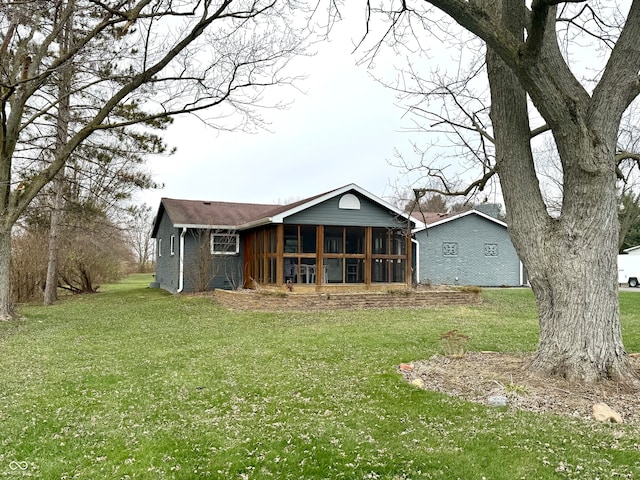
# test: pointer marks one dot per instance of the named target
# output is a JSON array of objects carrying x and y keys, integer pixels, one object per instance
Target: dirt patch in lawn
[{"x": 479, "y": 376}]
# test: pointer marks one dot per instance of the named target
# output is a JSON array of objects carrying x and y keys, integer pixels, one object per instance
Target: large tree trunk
[
  {"x": 571, "y": 260},
  {"x": 578, "y": 303},
  {"x": 577, "y": 298},
  {"x": 6, "y": 306}
]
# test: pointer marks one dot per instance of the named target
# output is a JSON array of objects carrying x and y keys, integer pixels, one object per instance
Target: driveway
[{"x": 629, "y": 289}]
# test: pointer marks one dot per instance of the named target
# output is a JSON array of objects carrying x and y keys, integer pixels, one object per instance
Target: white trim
[
  {"x": 460, "y": 215},
  {"x": 228, "y": 235},
  {"x": 254, "y": 223},
  {"x": 181, "y": 272},
  {"x": 279, "y": 218},
  {"x": 413, "y": 240},
  {"x": 205, "y": 227}
]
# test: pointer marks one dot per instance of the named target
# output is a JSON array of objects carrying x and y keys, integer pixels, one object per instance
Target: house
[
  {"x": 343, "y": 238},
  {"x": 469, "y": 248}
]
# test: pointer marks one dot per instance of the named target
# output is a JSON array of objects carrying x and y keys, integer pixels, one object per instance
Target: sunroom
[
  {"x": 328, "y": 255},
  {"x": 344, "y": 238}
]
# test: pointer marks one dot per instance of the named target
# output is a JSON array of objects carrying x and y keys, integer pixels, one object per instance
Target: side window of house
[
  {"x": 450, "y": 249},
  {"x": 490, "y": 250},
  {"x": 225, "y": 243},
  {"x": 172, "y": 245},
  {"x": 159, "y": 247}
]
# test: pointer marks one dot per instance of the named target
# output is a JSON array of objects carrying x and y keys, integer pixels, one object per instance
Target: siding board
[
  {"x": 370, "y": 214},
  {"x": 484, "y": 255},
  {"x": 167, "y": 265}
]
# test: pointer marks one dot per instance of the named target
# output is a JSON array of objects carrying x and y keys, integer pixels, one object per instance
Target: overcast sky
[{"x": 342, "y": 130}]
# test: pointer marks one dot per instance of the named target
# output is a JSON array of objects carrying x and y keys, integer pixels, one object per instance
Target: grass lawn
[{"x": 136, "y": 383}]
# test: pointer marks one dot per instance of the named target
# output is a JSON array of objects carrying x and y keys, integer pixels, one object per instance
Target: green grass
[{"x": 136, "y": 383}]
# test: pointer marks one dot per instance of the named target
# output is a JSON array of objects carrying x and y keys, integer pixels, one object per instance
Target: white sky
[{"x": 342, "y": 130}]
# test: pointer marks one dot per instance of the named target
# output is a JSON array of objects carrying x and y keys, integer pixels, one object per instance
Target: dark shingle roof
[
  {"x": 197, "y": 212},
  {"x": 210, "y": 214}
]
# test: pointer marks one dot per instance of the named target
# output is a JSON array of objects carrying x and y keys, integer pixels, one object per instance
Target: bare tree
[
  {"x": 212, "y": 257},
  {"x": 93, "y": 251},
  {"x": 138, "y": 227},
  {"x": 629, "y": 174},
  {"x": 29, "y": 264},
  {"x": 100, "y": 177},
  {"x": 62, "y": 126},
  {"x": 570, "y": 257},
  {"x": 628, "y": 215},
  {"x": 160, "y": 58}
]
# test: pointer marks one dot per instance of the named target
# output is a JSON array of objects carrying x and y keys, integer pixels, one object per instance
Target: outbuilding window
[
  {"x": 450, "y": 249},
  {"x": 490, "y": 250}
]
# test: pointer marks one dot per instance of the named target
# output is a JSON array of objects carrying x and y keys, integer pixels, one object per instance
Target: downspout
[
  {"x": 181, "y": 272},
  {"x": 413, "y": 240}
]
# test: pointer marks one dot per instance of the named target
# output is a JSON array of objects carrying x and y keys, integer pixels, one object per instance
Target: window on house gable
[
  {"x": 450, "y": 249},
  {"x": 490, "y": 250},
  {"x": 225, "y": 243},
  {"x": 159, "y": 247},
  {"x": 172, "y": 245}
]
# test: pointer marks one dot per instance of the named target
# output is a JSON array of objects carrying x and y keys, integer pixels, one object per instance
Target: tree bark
[
  {"x": 51, "y": 283},
  {"x": 571, "y": 260},
  {"x": 6, "y": 305},
  {"x": 580, "y": 335},
  {"x": 62, "y": 133}
]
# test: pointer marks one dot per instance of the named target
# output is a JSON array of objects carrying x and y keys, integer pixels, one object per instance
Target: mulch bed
[{"x": 477, "y": 376}]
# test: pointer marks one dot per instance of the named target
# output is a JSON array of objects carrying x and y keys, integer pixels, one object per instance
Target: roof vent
[
  {"x": 349, "y": 202},
  {"x": 207, "y": 203}
]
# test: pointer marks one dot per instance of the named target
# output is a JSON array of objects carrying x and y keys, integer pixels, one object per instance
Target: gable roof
[
  {"x": 202, "y": 213},
  {"x": 288, "y": 210},
  {"x": 434, "y": 219},
  {"x": 429, "y": 218},
  {"x": 241, "y": 216}
]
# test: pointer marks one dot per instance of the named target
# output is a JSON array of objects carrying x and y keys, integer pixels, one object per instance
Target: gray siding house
[
  {"x": 198, "y": 246},
  {"x": 343, "y": 238},
  {"x": 470, "y": 248}
]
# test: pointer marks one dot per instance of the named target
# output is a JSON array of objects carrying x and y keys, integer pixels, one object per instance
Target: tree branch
[
  {"x": 619, "y": 84},
  {"x": 477, "y": 185},
  {"x": 20, "y": 199},
  {"x": 624, "y": 155},
  {"x": 482, "y": 24}
]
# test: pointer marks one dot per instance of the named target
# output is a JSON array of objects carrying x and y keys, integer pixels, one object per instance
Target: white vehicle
[{"x": 629, "y": 267}]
